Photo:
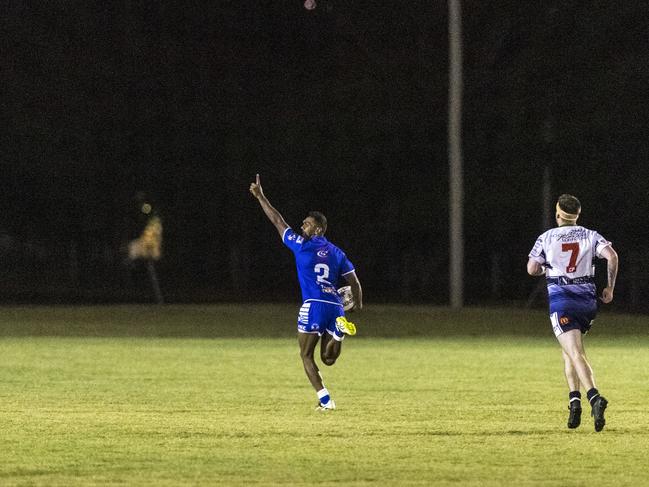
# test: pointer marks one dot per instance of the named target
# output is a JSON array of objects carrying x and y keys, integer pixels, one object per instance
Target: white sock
[{"x": 323, "y": 395}]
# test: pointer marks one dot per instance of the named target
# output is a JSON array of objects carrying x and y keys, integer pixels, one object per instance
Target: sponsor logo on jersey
[
  {"x": 323, "y": 253},
  {"x": 572, "y": 235},
  {"x": 292, "y": 236}
]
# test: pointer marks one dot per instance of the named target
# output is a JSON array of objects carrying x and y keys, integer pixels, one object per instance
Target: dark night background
[{"x": 342, "y": 109}]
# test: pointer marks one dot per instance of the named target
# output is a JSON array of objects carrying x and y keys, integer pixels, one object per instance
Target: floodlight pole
[{"x": 456, "y": 182}]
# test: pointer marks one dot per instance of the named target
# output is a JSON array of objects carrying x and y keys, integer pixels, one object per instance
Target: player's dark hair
[
  {"x": 320, "y": 220},
  {"x": 569, "y": 204}
]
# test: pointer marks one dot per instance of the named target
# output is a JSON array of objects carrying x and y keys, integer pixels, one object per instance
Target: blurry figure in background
[
  {"x": 149, "y": 244},
  {"x": 565, "y": 256},
  {"x": 147, "y": 247},
  {"x": 320, "y": 265}
]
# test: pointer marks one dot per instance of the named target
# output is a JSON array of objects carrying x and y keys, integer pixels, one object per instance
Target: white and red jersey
[
  {"x": 569, "y": 251},
  {"x": 568, "y": 254}
]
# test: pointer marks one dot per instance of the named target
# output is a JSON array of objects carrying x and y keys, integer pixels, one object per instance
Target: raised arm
[
  {"x": 273, "y": 215},
  {"x": 357, "y": 291},
  {"x": 611, "y": 273}
]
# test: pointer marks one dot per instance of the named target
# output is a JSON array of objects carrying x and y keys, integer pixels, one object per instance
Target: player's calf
[{"x": 327, "y": 360}]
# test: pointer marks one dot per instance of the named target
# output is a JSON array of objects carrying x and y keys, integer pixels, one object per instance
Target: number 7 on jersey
[{"x": 573, "y": 248}]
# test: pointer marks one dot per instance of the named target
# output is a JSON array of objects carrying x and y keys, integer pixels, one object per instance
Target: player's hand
[
  {"x": 255, "y": 188},
  {"x": 607, "y": 295}
]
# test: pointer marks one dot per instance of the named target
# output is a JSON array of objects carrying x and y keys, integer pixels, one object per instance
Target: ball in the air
[{"x": 309, "y": 4}]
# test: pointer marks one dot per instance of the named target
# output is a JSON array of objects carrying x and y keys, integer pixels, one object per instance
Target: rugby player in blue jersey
[
  {"x": 565, "y": 255},
  {"x": 320, "y": 266}
]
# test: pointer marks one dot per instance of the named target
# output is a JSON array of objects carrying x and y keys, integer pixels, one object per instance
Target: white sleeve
[
  {"x": 537, "y": 254},
  {"x": 600, "y": 243}
]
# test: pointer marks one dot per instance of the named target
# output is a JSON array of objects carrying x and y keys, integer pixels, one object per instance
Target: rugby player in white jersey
[
  {"x": 565, "y": 255},
  {"x": 320, "y": 266}
]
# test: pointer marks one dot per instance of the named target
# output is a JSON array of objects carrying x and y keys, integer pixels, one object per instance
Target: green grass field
[{"x": 216, "y": 395}]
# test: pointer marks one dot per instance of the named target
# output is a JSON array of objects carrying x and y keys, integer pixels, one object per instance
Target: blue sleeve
[
  {"x": 292, "y": 240},
  {"x": 346, "y": 267}
]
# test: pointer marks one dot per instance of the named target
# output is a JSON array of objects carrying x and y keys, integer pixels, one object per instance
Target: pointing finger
[{"x": 258, "y": 182}]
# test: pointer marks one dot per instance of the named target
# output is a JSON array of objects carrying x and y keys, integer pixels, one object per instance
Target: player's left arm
[
  {"x": 610, "y": 255},
  {"x": 357, "y": 290}
]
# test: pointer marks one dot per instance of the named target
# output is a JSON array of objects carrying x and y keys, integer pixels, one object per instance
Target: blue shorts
[
  {"x": 318, "y": 316},
  {"x": 565, "y": 321}
]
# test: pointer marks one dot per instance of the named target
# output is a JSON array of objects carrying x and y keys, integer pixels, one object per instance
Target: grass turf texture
[{"x": 425, "y": 396}]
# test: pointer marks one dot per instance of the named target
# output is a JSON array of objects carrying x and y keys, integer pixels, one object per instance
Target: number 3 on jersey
[
  {"x": 322, "y": 273},
  {"x": 573, "y": 248}
]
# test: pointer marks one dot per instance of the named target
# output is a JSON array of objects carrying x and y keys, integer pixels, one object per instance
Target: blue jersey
[{"x": 320, "y": 265}]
